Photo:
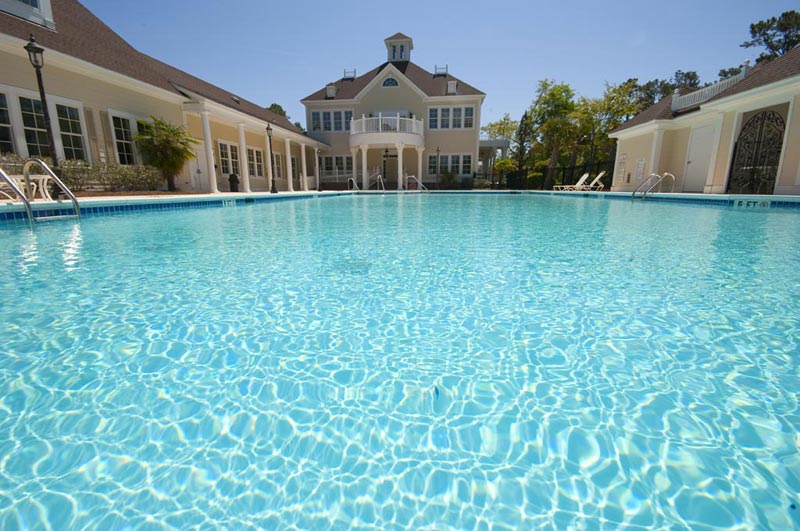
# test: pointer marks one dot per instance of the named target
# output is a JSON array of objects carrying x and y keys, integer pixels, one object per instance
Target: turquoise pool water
[{"x": 412, "y": 362}]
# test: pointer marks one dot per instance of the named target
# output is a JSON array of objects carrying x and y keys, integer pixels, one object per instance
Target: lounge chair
[
  {"x": 595, "y": 185},
  {"x": 575, "y": 186}
]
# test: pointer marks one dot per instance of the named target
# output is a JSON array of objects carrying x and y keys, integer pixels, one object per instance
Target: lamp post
[
  {"x": 36, "y": 57},
  {"x": 385, "y": 157},
  {"x": 274, "y": 189},
  {"x": 437, "y": 167}
]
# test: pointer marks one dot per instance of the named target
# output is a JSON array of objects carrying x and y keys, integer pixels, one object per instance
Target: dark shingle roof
[
  {"x": 80, "y": 34},
  {"x": 431, "y": 85},
  {"x": 784, "y": 67}
]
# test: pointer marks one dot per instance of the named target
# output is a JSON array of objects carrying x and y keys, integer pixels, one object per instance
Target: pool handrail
[
  {"x": 10, "y": 182},
  {"x": 26, "y": 173}
]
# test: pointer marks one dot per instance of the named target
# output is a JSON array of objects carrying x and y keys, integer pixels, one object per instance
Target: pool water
[{"x": 403, "y": 362}]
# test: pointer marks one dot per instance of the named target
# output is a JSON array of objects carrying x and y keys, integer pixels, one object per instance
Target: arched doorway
[{"x": 757, "y": 155}]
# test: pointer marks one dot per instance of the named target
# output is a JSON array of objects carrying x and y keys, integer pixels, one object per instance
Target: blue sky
[{"x": 269, "y": 51}]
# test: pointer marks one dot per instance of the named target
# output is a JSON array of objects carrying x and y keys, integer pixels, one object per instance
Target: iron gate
[{"x": 757, "y": 155}]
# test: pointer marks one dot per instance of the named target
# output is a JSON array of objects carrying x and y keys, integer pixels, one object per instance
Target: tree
[
  {"x": 550, "y": 115},
  {"x": 503, "y": 128},
  {"x": 299, "y": 126},
  {"x": 277, "y": 109},
  {"x": 502, "y": 167},
  {"x": 777, "y": 34},
  {"x": 166, "y": 146},
  {"x": 725, "y": 73},
  {"x": 523, "y": 141}
]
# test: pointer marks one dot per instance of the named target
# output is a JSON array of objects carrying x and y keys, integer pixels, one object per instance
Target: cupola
[{"x": 398, "y": 47}]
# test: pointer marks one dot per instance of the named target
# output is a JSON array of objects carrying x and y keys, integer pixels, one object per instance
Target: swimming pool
[{"x": 403, "y": 362}]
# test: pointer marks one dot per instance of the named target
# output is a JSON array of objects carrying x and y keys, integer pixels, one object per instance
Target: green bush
[
  {"x": 126, "y": 178},
  {"x": 76, "y": 174}
]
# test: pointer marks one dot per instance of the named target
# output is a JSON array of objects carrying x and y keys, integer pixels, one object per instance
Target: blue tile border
[{"x": 87, "y": 210}]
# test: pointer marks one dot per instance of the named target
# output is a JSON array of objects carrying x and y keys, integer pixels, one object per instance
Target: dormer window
[
  {"x": 330, "y": 91},
  {"x": 398, "y": 47},
  {"x": 37, "y": 11},
  {"x": 390, "y": 82},
  {"x": 452, "y": 86}
]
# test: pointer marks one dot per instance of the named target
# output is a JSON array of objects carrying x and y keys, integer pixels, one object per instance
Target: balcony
[{"x": 387, "y": 131}]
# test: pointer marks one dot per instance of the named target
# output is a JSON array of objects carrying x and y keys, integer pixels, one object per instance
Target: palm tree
[{"x": 166, "y": 146}]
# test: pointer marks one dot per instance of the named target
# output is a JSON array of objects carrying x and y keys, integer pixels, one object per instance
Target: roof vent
[
  {"x": 349, "y": 74},
  {"x": 330, "y": 91},
  {"x": 452, "y": 86},
  {"x": 440, "y": 70}
]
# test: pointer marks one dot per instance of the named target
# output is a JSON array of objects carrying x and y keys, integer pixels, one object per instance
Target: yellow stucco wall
[
  {"x": 673, "y": 155},
  {"x": 631, "y": 150},
  {"x": 789, "y": 177}
]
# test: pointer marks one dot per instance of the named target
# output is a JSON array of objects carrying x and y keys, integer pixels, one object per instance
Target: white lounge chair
[
  {"x": 594, "y": 185},
  {"x": 575, "y": 186}
]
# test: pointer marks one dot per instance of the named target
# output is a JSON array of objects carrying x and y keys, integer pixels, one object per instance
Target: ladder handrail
[
  {"x": 658, "y": 183},
  {"x": 355, "y": 184},
  {"x": 379, "y": 184},
  {"x": 10, "y": 182},
  {"x": 644, "y": 182},
  {"x": 419, "y": 182},
  {"x": 26, "y": 173}
]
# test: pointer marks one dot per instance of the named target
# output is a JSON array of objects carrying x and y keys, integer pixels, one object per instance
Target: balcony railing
[
  {"x": 705, "y": 94},
  {"x": 387, "y": 124}
]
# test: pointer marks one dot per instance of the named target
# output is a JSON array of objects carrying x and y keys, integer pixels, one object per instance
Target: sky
[{"x": 268, "y": 51}]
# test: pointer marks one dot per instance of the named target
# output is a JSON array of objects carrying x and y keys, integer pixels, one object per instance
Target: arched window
[{"x": 390, "y": 82}]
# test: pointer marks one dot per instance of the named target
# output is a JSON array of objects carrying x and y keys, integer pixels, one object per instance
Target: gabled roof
[
  {"x": 397, "y": 37},
  {"x": 82, "y": 35},
  {"x": 431, "y": 85},
  {"x": 763, "y": 74}
]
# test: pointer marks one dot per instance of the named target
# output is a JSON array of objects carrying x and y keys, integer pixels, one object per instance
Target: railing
[
  {"x": 419, "y": 185},
  {"x": 335, "y": 175},
  {"x": 653, "y": 180},
  {"x": 378, "y": 182},
  {"x": 26, "y": 169},
  {"x": 352, "y": 184},
  {"x": 10, "y": 182},
  {"x": 704, "y": 94},
  {"x": 387, "y": 124}
]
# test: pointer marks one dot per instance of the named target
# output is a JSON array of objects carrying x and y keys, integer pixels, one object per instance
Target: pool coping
[{"x": 94, "y": 206}]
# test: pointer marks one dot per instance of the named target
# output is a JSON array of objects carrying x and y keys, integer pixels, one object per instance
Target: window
[
  {"x": 455, "y": 163},
  {"x": 337, "y": 165},
  {"x": 456, "y": 117},
  {"x": 315, "y": 123},
  {"x": 6, "y": 142},
  {"x": 348, "y": 117},
  {"x": 69, "y": 122},
  {"x": 390, "y": 82},
  {"x": 278, "y": 165},
  {"x": 466, "y": 165},
  {"x": 451, "y": 117},
  {"x": 255, "y": 162},
  {"x": 433, "y": 118},
  {"x": 33, "y": 3},
  {"x": 36, "y": 11},
  {"x": 444, "y": 123},
  {"x": 337, "y": 121},
  {"x": 326, "y": 121},
  {"x": 33, "y": 125},
  {"x": 123, "y": 137},
  {"x": 394, "y": 52},
  {"x": 468, "y": 115},
  {"x": 459, "y": 164},
  {"x": 431, "y": 164},
  {"x": 228, "y": 158},
  {"x": 333, "y": 120},
  {"x": 402, "y": 51},
  {"x": 295, "y": 170}
]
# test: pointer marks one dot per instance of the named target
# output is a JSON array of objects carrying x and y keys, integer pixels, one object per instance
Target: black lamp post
[
  {"x": 36, "y": 56},
  {"x": 385, "y": 157},
  {"x": 274, "y": 189},
  {"x": 437, "y": 167}
]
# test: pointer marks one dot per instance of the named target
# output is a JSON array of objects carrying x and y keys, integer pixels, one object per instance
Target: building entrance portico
[{"x": 393, "y": 162}]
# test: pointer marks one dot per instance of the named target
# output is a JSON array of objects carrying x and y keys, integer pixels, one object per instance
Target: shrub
[
  {"x": 126, "y": 178},
  {"x": 76, "y": 174}
]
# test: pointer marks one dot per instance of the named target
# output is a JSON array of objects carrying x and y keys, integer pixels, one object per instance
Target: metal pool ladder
[
  {"x": 26, "y": 169},
  {"x": 653, "y": 180}
]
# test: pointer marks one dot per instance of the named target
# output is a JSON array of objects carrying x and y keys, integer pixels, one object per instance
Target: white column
[
  {"x": 399, "y": 148},
  {"x": 365, "y": 173},
  {"x": 316, "y": 165},
  {"x": 354, "y": 155},
  {"x": 268, "y": 145},
  {"x": 288, "y": 144},
  {"x": 419, "y": 164},
  {"x": 304, "y": 180},
  {"x": 209, "y": 144},
  {"x": 655, "y": 152},
  {"x": 243, "y": 166}
]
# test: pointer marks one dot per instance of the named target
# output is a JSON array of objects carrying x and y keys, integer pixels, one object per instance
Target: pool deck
[{"x": 104, "y": 205}]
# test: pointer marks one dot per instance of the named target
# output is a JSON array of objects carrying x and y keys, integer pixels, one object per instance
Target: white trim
[
  {"x": 712, "y": 164},
  {"x": 655, "y": 150},
  {"x": 42, "y": 16},
  {"x": 737, "y": 124},
  {"x": 18, "y": 127},
  {"x": 134, "y": 131}
]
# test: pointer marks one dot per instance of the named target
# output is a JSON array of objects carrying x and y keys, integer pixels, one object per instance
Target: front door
[
  {"x": 698, "y": 160},
  {"x": 198, "y": 167},
  {"x": 757, "y": 155}
]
